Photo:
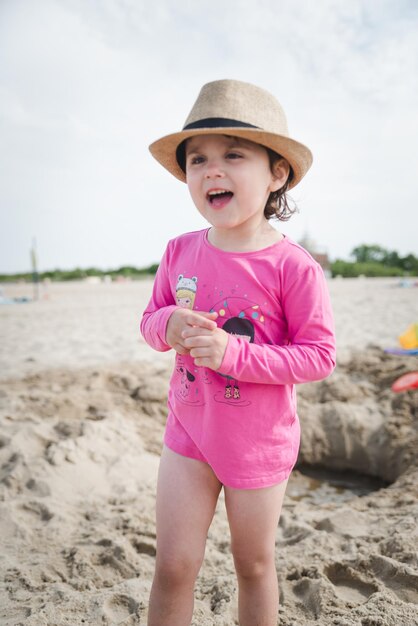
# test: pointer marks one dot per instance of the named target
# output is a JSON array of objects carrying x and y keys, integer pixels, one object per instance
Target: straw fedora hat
[{"x": 232, "y": 107}]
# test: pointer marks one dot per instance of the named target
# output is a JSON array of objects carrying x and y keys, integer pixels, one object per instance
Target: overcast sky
[{"x": 87, "y": 85}]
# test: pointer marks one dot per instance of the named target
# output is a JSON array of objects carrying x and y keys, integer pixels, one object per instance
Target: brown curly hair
[{"x": 278, "y": 204}]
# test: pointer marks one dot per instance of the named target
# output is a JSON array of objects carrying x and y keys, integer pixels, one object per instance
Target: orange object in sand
[
  {"x": 409, "y": 339},
  {"x": 406, "y": 382}
]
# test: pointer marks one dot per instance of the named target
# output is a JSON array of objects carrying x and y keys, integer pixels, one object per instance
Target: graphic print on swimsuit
[
  {"x": 187, "y": 390},
  {"x": 186, "y": 289},
  {"x": 240, "y": 314}
]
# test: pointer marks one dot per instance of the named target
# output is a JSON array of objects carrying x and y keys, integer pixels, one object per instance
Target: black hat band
[{"x": 209, "y": 122}]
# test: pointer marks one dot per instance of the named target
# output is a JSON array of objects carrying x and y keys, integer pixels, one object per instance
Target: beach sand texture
[{"x": 82, "y": 411}]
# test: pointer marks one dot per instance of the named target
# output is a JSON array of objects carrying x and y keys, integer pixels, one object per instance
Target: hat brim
[{"x": 298, "y": 155}]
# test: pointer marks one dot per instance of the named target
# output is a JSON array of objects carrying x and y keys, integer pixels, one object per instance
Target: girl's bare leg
[
  {"x": 253, "y": 516},
  {"x": 187, "y": 494}
]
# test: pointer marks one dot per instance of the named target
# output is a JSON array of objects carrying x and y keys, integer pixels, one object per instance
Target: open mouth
[{"x": 219, "y": 197}]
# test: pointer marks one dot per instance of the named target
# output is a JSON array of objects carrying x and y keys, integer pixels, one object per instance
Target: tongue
[{"x": 221, "y": 200}]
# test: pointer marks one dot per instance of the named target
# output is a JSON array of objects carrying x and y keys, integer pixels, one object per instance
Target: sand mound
[
  {"x": 78, "y": 462},
  {"x": 355, "y": 563}
]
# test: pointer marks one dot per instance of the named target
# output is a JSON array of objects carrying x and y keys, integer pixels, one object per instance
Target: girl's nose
[{"x": 214, "y": 169}]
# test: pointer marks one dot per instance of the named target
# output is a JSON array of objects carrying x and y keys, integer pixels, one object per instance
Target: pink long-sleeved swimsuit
[{"x": 275, "y": 306}]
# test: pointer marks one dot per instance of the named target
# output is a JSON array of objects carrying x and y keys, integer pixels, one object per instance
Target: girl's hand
[
  {"x": 183, "y": 319},
  {"x": 207, "y": 347}
]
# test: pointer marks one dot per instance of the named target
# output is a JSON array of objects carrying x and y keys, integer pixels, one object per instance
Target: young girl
[{"x": 256, "y": 321}]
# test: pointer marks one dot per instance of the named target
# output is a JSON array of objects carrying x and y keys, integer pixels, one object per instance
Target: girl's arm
[
  {"x": 311, "y": 353},
  {"x": 160, "y": 308}
]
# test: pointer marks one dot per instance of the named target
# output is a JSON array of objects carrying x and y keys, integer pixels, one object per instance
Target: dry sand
[{"x": 82, "y": 410}]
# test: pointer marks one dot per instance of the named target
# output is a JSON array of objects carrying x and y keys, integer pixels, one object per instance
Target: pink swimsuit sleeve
[
  {"x": 160, "y": 307},
  {"x": 310, "y": 354}
]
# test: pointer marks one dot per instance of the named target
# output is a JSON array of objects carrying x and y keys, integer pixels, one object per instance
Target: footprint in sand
[
  {"x": 114, "y": 559},
  {"x": 38, "y": 509},
  {"x": 348, "y": 585},
  {"x": 309, "y": 593},
  {"x": 4, "y": 441},
  {"x": 8, "y": 468},
  {"x": 295, "y": 534},
  {"x": 119, "y": 608},
  {"x": 38, "y": 488},
  {"x": 143, "y": 547},
  {"x": 69, "y": 429},
  {"x": 397, "y": 577}
]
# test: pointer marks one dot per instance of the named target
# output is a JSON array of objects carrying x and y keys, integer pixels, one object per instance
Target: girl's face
[{"x": 230, "y": 180}]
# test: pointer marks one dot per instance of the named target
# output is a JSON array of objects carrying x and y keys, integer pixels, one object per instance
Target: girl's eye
[
  {"x": 196, "y": 160},
  {"x": 233, "y": 155}
]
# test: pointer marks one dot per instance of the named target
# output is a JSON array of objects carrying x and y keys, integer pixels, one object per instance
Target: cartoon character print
[
  {"x": 242, "y": 318},
  {"x": 188, "y": 390},
  {"x": 186, "y": 379},
  {"x": 186, "y": 291},
  {"x": 185, "y": 296},
  {"x": 243, "y": 328}
]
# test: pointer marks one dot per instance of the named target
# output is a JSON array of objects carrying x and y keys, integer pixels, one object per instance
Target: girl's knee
[
  {"x": 175, "y": 572},
  {"x": 252, "y": 567}
]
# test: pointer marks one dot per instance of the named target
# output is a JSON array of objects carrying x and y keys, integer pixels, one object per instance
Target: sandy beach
[{"x": 82, "y": 411}]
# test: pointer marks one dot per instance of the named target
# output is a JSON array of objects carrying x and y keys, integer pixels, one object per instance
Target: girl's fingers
[
  {"x": 211, "y": 315},
  {"x": 200, "y": 351},
  {"x": 180, "y": 349},
  {"x": 202, "y": 320},
  {"x": 197, "y": 343},
  {"x": 201, "y": 362},
  {"x": 209, "y": 362},
  {"x": 195, "y": 331}
]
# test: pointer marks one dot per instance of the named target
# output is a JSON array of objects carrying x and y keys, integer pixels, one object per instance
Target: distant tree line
[
  {"x": 373, "y": 260},
  {"x": 369, "y": 260},
  {"x": 127, "y": 271}
]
